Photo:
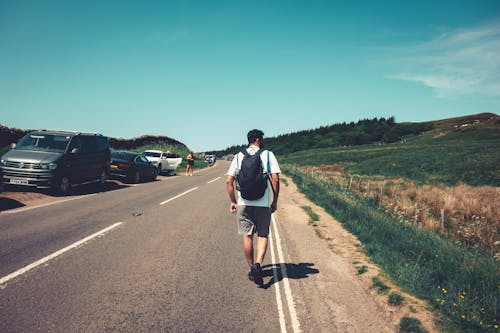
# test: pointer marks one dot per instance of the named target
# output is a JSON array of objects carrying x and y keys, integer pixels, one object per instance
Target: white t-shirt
[{"x": 235, "y": 167}]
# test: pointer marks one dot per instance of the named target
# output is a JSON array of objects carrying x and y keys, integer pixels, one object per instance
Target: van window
[
  {"x": 76, "y": 142},
  {"x": 44, "y": 142},
  {"x": 102, "y": 143}
]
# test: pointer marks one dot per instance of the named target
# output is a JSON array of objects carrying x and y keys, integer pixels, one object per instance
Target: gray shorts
[{"x": 252, "y": 219}]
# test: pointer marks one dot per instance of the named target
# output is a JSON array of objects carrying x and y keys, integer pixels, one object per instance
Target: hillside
[
  {"x": 462, "y": 149},
  {"x": 12, "y": 135},
  {"x": 459, "y": 150},
  {"x": 425, "y": 209},
  {"x": 367, "y": 131}
]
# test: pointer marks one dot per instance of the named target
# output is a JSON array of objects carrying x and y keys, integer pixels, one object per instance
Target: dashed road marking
[
  {"x": 178, "y": 196},
  {"x": 213, "y": 180},
  {"x": 56, "y": 254}
]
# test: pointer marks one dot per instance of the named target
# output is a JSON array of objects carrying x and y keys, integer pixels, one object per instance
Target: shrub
[
  {"x": 411, "y": 325},
  {"x": 395, "y": 299}
]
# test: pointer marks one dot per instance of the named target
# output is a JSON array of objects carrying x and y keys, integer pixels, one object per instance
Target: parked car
[
  {"x": 210, "y": 159},
  {"x": 132, "y": 166},
  {"x": 57, "y": 160},
  {"x": 165, "y": 162}
]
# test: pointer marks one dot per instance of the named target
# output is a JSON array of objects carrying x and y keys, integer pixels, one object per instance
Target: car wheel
[
  {"x": 137, "y": 177},
  {"x": 64, "y": 185},
  {"x": 155, "y": 175},
  {"x": 159, "y": 169}
]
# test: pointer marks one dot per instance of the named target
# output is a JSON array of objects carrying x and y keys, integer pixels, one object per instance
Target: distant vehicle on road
[
  {"x": 132, "y": 166},
  {"x": 57, "y": 160},
  {"x": 210, "y": 159},
  {"x": 164, "y": 161}
]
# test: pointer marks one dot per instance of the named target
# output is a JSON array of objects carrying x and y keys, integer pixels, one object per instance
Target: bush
[
  {"x": 411, "y": 325},
  {"x": 395, "y": 299}
]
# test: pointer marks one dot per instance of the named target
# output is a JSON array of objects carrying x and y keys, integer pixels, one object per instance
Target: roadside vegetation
[
  {"x": 461, "y": 283},
  {"x": 424, "y": 200}
]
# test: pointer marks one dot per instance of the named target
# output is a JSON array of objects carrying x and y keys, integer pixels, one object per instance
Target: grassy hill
[
  {"x": 438, "y": 156},
  {"x": 425, "y": 207},
  {"x": 450, "y": 151},
  {"x": 12, "y": 135},
  {"x": 365, "y": 131}
]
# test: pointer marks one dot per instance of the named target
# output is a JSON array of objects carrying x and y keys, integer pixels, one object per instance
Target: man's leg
[
  {"x": 261, "y": 249},
  {"x": 248, "y": 248}
]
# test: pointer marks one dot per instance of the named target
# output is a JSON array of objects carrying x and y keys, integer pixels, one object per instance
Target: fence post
[
  {"x": 442, "y": 219},
  {"x": 416, "y": 213}
]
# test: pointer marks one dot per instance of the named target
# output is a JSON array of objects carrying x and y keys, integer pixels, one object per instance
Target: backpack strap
[{"x": 268, "y": 163}]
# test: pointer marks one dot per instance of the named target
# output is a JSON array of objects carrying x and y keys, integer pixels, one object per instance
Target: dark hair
[{"x": 254, "y": 135}]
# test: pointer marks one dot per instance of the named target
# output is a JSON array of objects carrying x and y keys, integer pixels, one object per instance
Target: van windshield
[{"x": 44, "y": 142}]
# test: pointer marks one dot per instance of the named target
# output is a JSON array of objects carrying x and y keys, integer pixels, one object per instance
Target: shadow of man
[{"x": 292, "y": 271}]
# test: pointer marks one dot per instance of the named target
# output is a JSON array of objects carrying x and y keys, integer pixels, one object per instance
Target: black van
[{"x": 57, "y": 160}]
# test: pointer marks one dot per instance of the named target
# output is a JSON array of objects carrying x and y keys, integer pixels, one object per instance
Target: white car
[
  {"x": 210, "y": 159},
  {"x": 166, "y": 162}
]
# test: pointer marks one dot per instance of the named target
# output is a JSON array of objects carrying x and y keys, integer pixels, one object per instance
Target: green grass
[
  {"x": 362, "y": 270},
  {"x": 312, "y": 215},
  {"x": 395, "y": 299},
  {"x": 411, "y": 325},
  {"x": 416, "y": 259},
  {"x": 470, "y": 158},
  {"x": 379, "y": 285}
]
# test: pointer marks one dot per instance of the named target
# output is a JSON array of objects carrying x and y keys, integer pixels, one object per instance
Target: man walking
[{"x": 253, "y": 211}]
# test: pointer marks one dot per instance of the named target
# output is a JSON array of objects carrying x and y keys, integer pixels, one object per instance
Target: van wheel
[
  {"x": 103, "y": 178},
  {"x": 64, "y": 185},
  {"x": 137, "y": 178}
]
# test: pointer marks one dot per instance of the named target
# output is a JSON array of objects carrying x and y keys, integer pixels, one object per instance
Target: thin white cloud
[{"x": 456, "y": 63}]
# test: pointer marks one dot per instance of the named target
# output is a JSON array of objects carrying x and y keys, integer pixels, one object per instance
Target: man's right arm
[{"x": 232, "y": 196}]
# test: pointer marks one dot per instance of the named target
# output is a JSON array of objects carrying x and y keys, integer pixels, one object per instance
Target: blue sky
[{"x": 206, "y": 72}]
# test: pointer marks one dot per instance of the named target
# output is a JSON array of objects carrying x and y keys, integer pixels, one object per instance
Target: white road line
[
  {"x": 18, "y": 210},
  {"x": 281, "y": 314},
  {"x": 56, "y": 254},
  {"x": 286, "y": 287},
  {"x": 213, "y": 180},
  {"x": 178, "y": 196}
]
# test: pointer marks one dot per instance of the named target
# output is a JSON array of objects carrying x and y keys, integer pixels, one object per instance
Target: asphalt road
[{"x": 162, "y": 257}]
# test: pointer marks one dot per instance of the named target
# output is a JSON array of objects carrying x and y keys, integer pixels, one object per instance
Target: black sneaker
[{"x": 255, "y": 274}]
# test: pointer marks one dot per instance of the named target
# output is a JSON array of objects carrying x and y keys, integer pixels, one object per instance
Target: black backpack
[{"x": 252, "y": 180}]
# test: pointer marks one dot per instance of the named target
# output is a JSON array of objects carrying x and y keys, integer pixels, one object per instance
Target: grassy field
[
  {"x": 462, "y": 284},
  {"x": 426, "y": 209},
  {"x": 472, "y": 158}
]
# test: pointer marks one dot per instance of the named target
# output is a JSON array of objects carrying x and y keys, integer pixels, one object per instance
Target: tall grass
[
  {"x": 468, "y": 214},
  {"x": 420, "y": 261}
]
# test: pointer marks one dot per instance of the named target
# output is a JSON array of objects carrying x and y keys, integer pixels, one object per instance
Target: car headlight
[
  {"x": 48, "y": 166},
  {"x": 3, "y": 162}
]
